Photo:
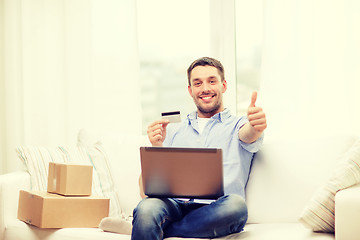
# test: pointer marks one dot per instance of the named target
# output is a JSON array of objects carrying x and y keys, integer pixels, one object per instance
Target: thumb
[
  {"x": 253, "y": 99},
  {"x": 164, "y": 125}
]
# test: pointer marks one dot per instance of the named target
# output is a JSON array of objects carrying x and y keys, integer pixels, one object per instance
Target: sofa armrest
[
  {"x": 10, "y": 185},
  {"x": 347, "y": 217}
]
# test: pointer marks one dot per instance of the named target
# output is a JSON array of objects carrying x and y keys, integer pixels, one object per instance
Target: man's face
[{"x": 206, "y": 89}]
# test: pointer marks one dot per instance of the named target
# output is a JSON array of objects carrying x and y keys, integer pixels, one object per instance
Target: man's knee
[
  {"x": 147, "y": 219},
  {"x": 148, "y": 207},
  {"x": 235, "y": 207}
]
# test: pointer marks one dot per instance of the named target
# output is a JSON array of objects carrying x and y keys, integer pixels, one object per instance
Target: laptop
[{"x": 182, "y": 172}]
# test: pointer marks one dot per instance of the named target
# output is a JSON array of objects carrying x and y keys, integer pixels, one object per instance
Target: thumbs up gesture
[{"x": 256, "y": 116}]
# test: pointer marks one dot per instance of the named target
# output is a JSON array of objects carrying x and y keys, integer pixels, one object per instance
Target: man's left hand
[{"x": 256, "y": 115}]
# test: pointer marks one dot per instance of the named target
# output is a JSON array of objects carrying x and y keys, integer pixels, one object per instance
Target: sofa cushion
[
  {"x": 37, "y": 158},
  {"x": 276, "y": 231},
  {"x": 286, "y": 173},
  {"x": 18, "y": 230},
  {"x": 319, "y": 214}
]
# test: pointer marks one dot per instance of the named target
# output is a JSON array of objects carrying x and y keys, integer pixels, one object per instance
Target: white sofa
[{"x": 285, "y": 175}]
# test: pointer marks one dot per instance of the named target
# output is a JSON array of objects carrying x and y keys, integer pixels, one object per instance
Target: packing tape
[{"x": 54, "y": 179}]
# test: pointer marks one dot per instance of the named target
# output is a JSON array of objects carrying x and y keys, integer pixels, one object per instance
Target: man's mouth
[{"x": 207, "y": 98}]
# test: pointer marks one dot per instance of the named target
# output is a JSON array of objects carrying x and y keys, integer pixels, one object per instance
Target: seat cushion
[
  {"x": 277, "y": 231},
  {"x": 18, "y": 230}
]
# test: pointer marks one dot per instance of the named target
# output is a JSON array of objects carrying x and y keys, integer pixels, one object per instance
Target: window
[
  {"x": 171, "y": 35},
  {"x": 249, "y": 20}
]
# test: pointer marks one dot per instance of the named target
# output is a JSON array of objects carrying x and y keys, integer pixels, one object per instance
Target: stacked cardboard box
[
  {"x": 70, "y": 180},
  {"x": 67, "y": 202}
]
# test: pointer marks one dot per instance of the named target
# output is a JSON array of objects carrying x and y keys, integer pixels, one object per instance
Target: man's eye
[{"x": 197, "y": 84}]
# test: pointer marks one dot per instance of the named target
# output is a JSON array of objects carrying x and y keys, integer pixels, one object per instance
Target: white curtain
[
  {"x": 66, "y": 65},
  {"x": 311, "y": 67}
]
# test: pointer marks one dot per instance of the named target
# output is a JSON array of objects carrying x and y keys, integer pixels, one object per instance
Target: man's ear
[
  {"x": 224, "y": 83},
  {"x": 190, "y": 90}
]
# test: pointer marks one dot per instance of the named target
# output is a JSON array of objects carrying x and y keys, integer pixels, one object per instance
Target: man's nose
[{"x": 205, "y": 87}]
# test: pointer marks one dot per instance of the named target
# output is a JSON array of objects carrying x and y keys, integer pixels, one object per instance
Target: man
[{"x": 210, "y": 126}]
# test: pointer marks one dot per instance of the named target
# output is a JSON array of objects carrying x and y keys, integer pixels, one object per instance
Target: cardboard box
[
  {"x": 46, "y": 210},
  {"x": 70, "y": 179}
]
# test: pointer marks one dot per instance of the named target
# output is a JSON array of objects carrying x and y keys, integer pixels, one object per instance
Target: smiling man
[
  {"x": 211, "y": 126},
  {"x": 206, "y": 86}
]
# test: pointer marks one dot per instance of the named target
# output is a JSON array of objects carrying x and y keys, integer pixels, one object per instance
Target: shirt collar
[{"x": 221, "y": 116}]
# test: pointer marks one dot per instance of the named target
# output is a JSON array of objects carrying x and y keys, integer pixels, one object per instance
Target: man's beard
[{"x": 211, "y": 111}]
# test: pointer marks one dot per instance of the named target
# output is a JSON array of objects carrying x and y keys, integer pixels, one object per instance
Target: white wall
[
  {"x": 222, "y": 39},
  {"x": 2, "y": 92},
  {"x": 310, "y": 71}
]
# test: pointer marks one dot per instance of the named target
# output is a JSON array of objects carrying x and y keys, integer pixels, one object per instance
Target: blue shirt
[{"x": 221, "y": 131}]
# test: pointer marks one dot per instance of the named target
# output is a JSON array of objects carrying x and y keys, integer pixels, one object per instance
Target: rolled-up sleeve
[{"x": 253, "y": 147}]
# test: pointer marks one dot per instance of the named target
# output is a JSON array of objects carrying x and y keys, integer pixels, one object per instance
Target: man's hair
[{"x": 206, "y": 61}]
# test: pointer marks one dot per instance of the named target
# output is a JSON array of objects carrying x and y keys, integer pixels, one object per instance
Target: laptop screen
[{"x": 182, "y": 172}]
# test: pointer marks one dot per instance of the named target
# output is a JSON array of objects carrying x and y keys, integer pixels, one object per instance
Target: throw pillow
[
  {"x": 36, "y": 160},
  {"x": 319, "y": 214}
]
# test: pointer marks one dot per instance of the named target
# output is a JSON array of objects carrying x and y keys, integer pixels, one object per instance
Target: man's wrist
[{"x": 248, "y": 134}]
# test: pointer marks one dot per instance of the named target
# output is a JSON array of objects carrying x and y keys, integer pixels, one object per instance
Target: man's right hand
[{"x": 157, "y": 132}]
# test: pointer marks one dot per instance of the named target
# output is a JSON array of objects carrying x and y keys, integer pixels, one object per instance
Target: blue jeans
[{"x": 155, "y": 219}]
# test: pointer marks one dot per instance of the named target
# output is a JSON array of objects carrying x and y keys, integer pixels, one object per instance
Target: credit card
[{"x": 173, "y": 117}]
